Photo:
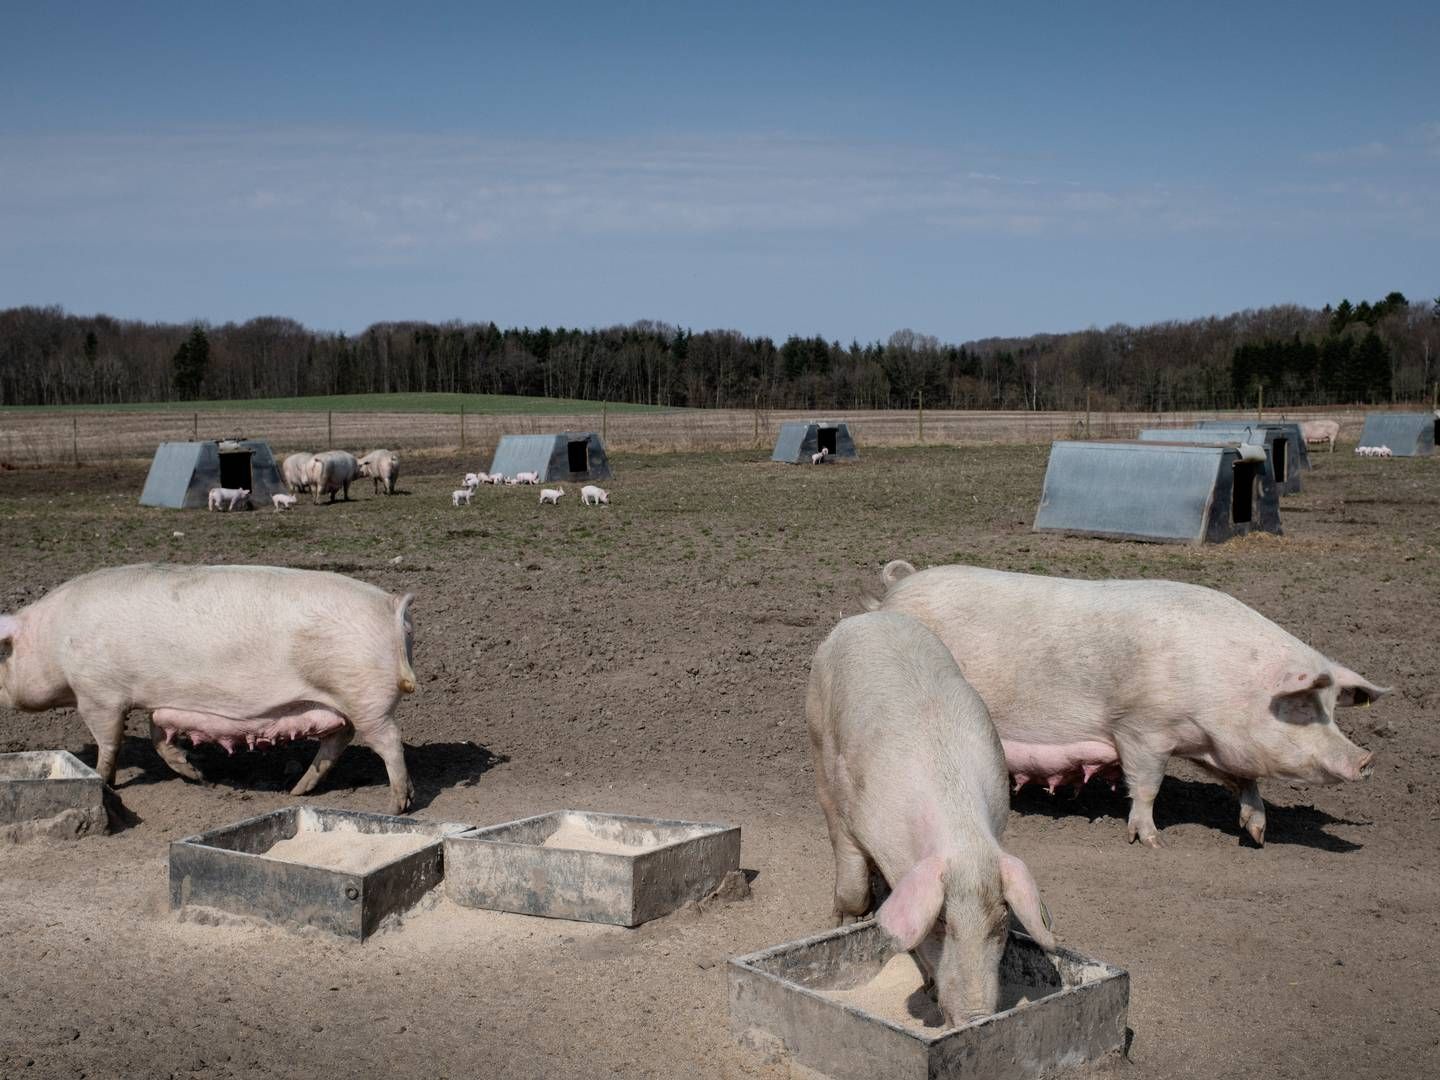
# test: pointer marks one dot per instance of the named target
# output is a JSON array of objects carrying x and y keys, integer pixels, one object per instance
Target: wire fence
[{"x": 56, "y": 438}]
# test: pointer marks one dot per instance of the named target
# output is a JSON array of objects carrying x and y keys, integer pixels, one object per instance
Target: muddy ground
[{"x": 650, "y": 658}]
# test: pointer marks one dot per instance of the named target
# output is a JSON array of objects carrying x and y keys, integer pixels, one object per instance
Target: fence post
[
  {"x": 1087, "y": 412},
  {"x": 75, "y": 439},
  {"x": 462, "y": 425},
  {"x": 329, "y": 431},
  {"x": 920, "y": 416},
  {"x": 1260, "y": 404},
  {"x": 195, "y": 427},
  {"x": 604, "y": 422}
]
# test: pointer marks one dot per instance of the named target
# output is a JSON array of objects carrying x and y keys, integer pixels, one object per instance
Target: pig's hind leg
[
  {"x": 172, "y": 755},
  {"x": 331, "y": 747},
  {"x": 384, "y": 738},
  {"x": 1144, "y": 768}
]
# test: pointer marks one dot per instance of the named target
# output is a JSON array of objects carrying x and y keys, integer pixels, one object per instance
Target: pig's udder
[
  {"x": 302, "y": 720},
  {"x": 1053, "y": 765}
]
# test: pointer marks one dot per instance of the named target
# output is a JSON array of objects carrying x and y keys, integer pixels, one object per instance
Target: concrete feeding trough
[
  {"x": 1279, "y": 470},
  {"x": 831, "y": 1004},
  {"x": 1406, "y": 434},
  {"x": 337, "y": 870},
  {"x": 1195, "y": 493},
  {"x": 51, "y": 793},
  {"x": 574, "y": 864}
]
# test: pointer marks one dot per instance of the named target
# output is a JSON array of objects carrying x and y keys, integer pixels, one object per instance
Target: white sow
[
  {"x": 1116, "y": 677},
  {"x": 329, "y": 658}
]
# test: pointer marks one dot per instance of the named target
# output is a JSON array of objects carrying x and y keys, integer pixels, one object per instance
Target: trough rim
[
  {"x": 82, "y": 771},
  {"x": 750, "y": 961},
  {"x": 710, "y": 828}
]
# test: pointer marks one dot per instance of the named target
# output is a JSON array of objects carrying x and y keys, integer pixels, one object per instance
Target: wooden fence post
[
  {"x": 1087, "y": 412},
  {"x": 604, "y": 421},
  {"x": 195, "y": 427},
  {"x": 920, "y": 416},
  {"x": 462, "y": 425},
  {"x": 1260, "y": 403},
  {"x": 75, "y": 439},
  {"x": 329, "y": 431}
]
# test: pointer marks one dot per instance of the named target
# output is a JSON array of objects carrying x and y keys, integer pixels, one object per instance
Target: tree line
[{"x": 1370, "y": 353}]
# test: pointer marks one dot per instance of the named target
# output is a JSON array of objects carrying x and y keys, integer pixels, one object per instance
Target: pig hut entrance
[
  {"x": 578, "y": 455},
  {"x": 1242, "y": 491},
  {"x": 235, "y": 469},
  {"x": 1277, "y": 451},
  {"x": 828, "y": 439}
]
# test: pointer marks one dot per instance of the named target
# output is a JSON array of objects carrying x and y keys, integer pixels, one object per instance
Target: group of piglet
[
  {"x": 957, "y": 676},
  {"x": 590, "y": 495},
  {"x": 331, "y": 472},
  {"x": 1374, "y": 451}
]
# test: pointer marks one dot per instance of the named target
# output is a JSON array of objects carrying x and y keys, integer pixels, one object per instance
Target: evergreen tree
[{"x": 191, "y": 362}]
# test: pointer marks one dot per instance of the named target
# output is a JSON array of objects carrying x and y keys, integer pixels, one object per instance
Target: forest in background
[{"x": 1368, "y": 353}]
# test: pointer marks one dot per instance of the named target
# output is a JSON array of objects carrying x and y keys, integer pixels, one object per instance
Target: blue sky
[{"x": 831, "y": 169}]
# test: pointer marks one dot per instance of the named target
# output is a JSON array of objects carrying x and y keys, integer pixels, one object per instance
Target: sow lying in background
[
  {"x": 1083, "y": 677},
  {"x": 911, "y": 777},
  {"x": 330, "y": 657}
]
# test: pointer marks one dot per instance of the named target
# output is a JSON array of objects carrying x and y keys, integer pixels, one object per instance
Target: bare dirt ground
[{"x": 650, "y": 658}]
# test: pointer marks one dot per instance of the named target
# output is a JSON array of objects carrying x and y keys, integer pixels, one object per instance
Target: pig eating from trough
[
  {"x": 911, "y": 776},
  {"x": 1115, "y": 677},
  {"x": 329, "y": 658}
]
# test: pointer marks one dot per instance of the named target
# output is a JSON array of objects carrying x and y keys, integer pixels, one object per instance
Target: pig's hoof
[
  {"x": 1256, "y": 829},
  {"x": 186, "y": 771},
  {"x": 1149, "y": 837}
]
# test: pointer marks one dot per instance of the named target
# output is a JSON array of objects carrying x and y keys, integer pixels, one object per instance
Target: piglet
[
  {"x": 911, "y": 776},
  {"x": 282, "y": 502},
  {"x": 461, "y": 495},
  {"x": 590, "y": 495},
  {"x": 551, "y": 496}
]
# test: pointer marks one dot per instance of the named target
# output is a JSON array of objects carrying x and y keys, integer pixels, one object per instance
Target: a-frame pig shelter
[
  {"x": 1290, "y": 457},
  {"x": 182, "y": 473},
  {"x": 567, "y": 455},
  {"x": 799, "y": 439},
  {"x": 1406, "y": 434},
  {"x": 1168, "y": 492},
  {"x": 1275, "y": 441}
]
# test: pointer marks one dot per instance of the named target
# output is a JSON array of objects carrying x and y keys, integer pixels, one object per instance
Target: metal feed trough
[
  {"x": 239, "y": 869},
  {"x": 606, "y": 868},
  {"x": 1175, "y": 492},
  {"x": 1406, "y": 434},
  {"x": 1075, "y": 1013},
  {"x": 1257, "y": 436},
  {"x": 1292, "y": 455},
  {"x": 50, "y": 792}
]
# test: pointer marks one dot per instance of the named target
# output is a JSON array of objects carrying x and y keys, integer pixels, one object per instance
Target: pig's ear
[
  {"x": 1356, "y": 689},
  {"x": 911, "y": 910},
  {"x": 1023, "y": 896},
  {"x": 1303, "y": 682}
]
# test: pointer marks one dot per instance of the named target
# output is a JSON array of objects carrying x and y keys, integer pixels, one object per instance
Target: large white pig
[
  {"x": 331, "y": 471},
  {"x": 383, "y": 467},
  {"x": 1117, "y": 676},
  {"x": 911, "y": 777},
  {"x": 325, "y": 657},
  {"x": 295, "y": 471}
]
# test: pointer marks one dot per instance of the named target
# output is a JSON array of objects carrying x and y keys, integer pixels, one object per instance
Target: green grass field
[{"x": 477, "y": 404}]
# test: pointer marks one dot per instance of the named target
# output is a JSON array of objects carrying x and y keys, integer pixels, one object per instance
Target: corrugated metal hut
[
  {"x": 799, "y": 439},
  {"x": 1273, "y": 439},
  {"x": 1168, "y": 492},
  {"x": 566, "y": 455},
  {"x": 1292, "y": 457},
  {"x": 182, "y": 473},
  {"x": 1406, "y": 434}
]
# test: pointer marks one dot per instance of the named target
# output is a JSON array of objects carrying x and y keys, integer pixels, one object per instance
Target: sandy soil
[
  {"x": 650, "y": 658},
  {"x": 574, "y": 836},
  {"x": 346, "y": 851}
]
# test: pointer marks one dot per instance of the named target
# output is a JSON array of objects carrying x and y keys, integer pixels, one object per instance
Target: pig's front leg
[
  {"x": 1144, "y": 768},
  {"x": 107, "y": 725},
  {"x": 331, "y": 747},
  {"x": 1252, "y": 811},
  {"x": 172, "y": 755}
]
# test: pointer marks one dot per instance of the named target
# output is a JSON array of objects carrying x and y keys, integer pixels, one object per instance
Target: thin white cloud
[{"x": 1370, "y": 151}]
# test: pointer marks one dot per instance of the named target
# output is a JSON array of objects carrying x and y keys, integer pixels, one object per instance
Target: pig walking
[
  {"x": 911, "y": 776},
  {"x": 1117, "y": 676},
  {"x": 329, "y": 658}
]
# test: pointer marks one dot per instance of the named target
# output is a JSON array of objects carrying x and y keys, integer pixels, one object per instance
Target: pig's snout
[{"x": 1365, "y": 766}]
